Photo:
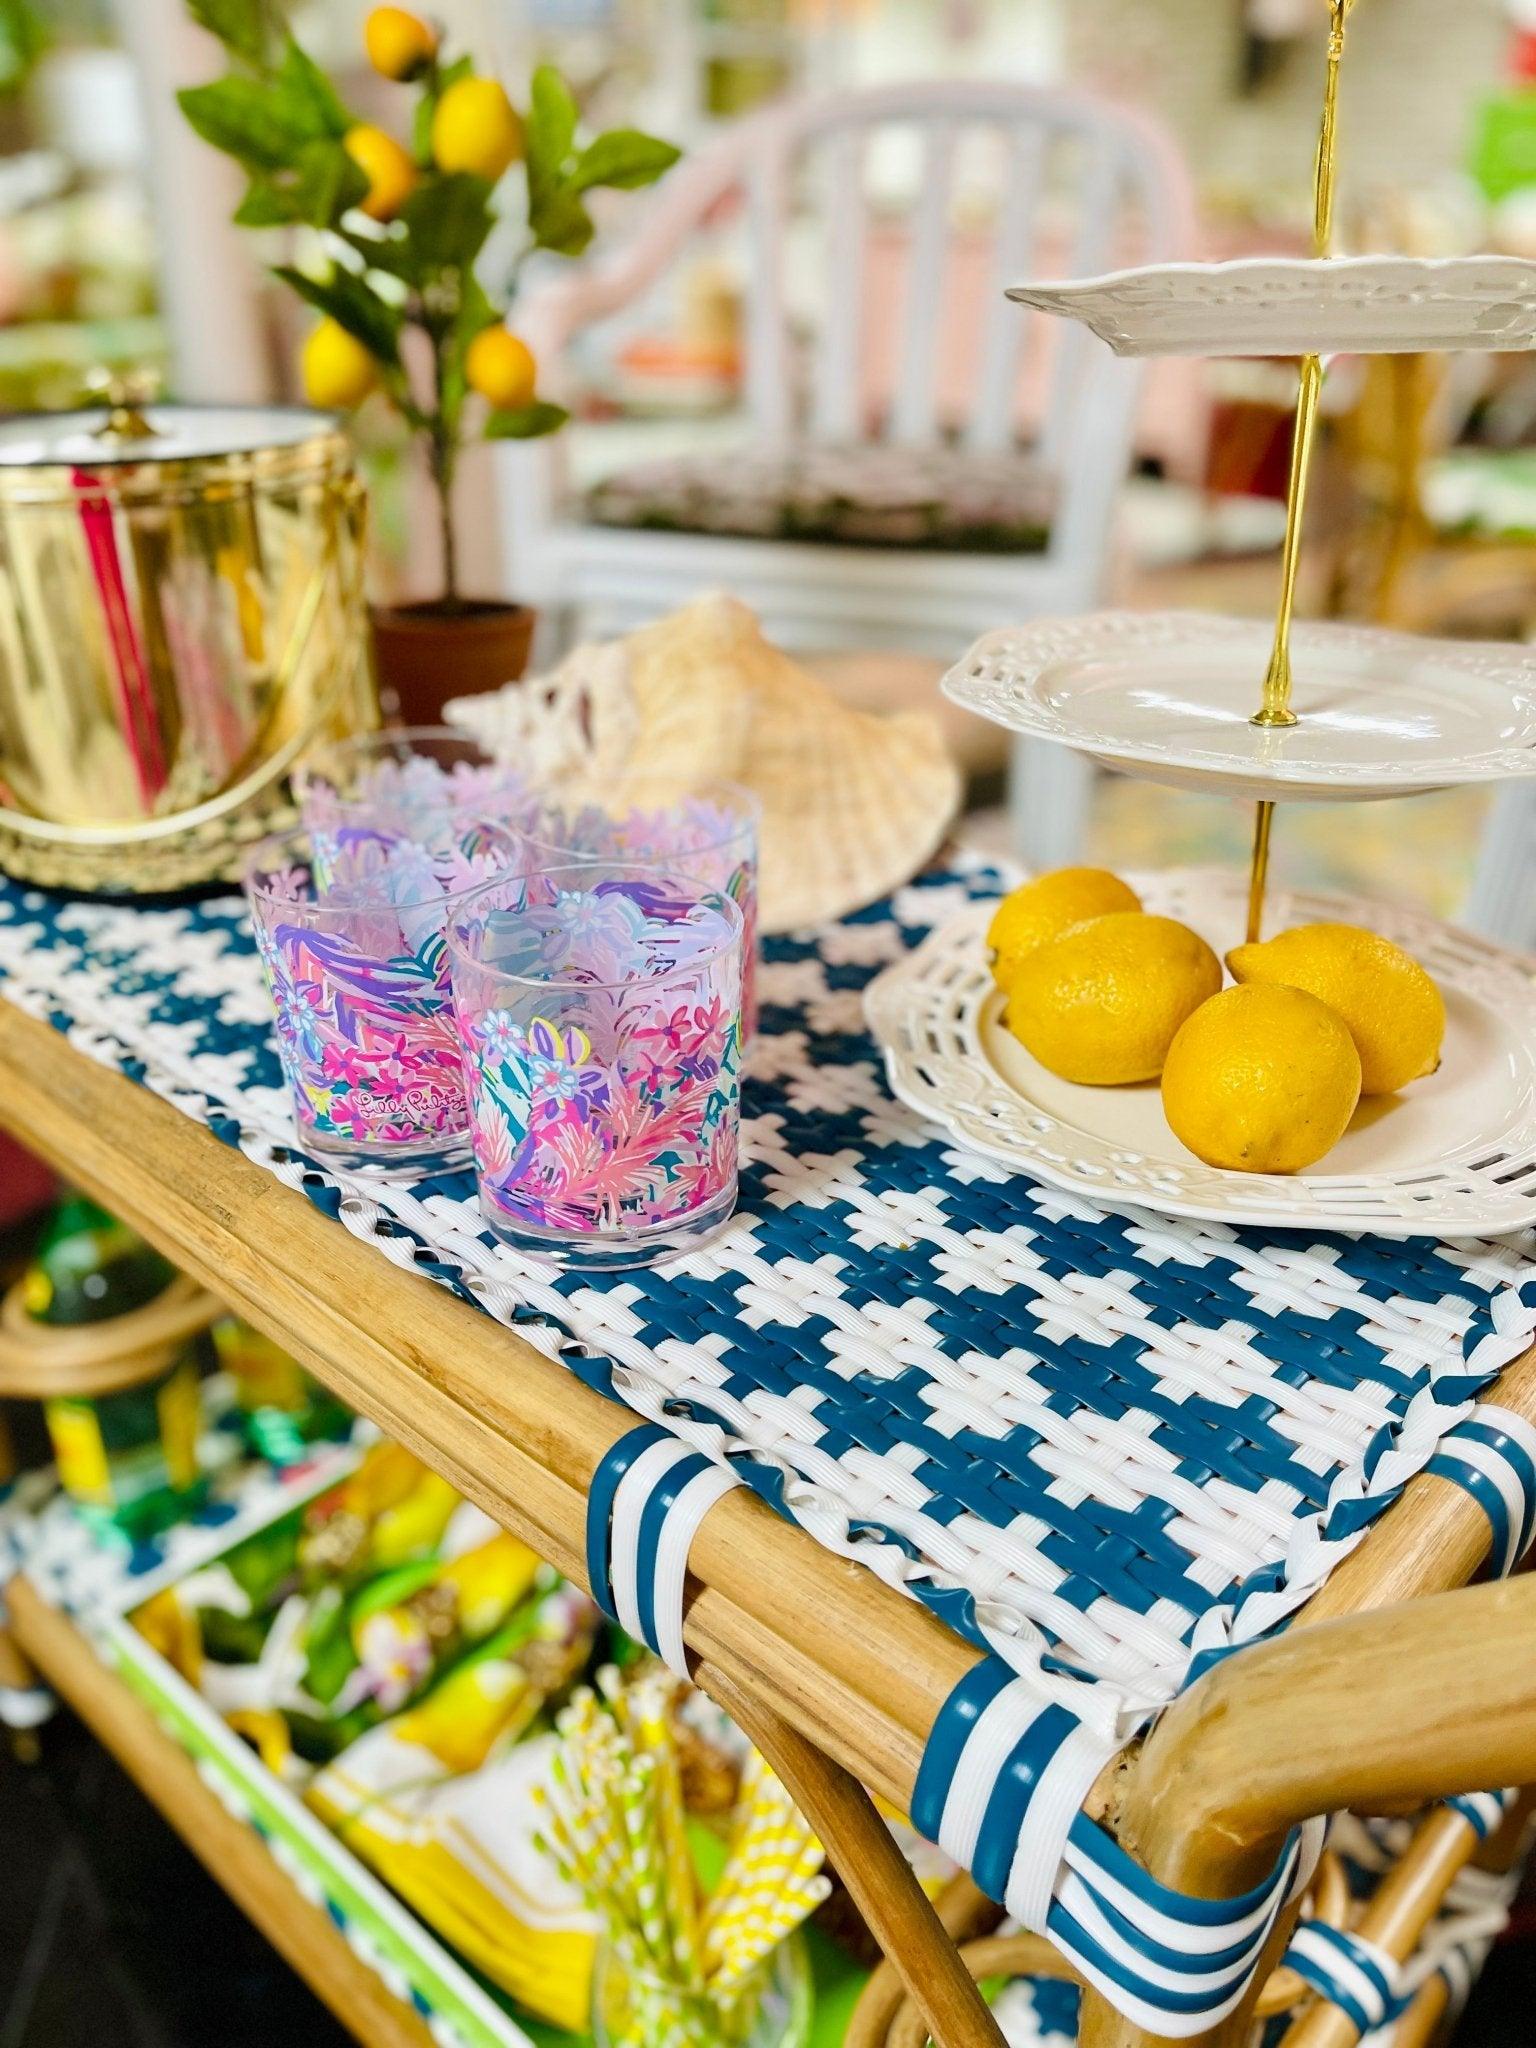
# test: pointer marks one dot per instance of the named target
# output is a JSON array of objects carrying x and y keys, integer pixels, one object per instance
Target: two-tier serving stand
[{"x": 1317, "y": 713}]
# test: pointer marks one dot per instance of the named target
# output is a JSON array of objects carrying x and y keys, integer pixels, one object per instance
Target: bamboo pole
[
  {"x": 1400, "y": 1909},
  {"x": 965, "y": 1913},
  {"x": 949, "y": 2008}
]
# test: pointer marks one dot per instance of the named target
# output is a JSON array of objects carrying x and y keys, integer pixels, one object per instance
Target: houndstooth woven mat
[{"x": 1076, "y": 1436}]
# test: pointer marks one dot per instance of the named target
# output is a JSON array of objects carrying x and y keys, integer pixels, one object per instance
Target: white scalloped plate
[
  {"x": 1452, "y": 1156},
  {"x": 1171, "y": 695},
  {"x": 1297, "y": 306}
]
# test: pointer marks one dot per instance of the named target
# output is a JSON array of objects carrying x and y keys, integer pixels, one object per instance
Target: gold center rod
[{"x": 1275, "y": 708}]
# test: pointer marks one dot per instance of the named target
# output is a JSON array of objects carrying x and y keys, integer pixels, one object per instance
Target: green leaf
[
  {"x": 23, "y": 39},
  {"x": 309, "y": 97},
  {"x": 447, "y": 219},
  {"x": 246, "y": 119},
  {"x": 528, "y": 423},
  {"x": 475, "y": 311},
  {"x": 549, "y": 133},
  {"x": 240, "y": 25},
  {"x": 326, "y": 184},
  {"x": 265, "y": 205},
  {"x": 390, "y": 253},
  {"x": 352, "y": 305},
  {"x": 625, "y": 158},
  {"x": 559, "y": 221}
]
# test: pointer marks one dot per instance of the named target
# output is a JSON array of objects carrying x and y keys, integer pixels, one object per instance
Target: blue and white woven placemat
[{"x": 1091, "y": 1443}]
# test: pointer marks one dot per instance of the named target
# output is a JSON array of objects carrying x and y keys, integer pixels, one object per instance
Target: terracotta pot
[{"x": 428, "y": 653}]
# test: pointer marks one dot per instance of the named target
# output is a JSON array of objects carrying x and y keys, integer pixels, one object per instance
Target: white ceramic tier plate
[
  {"x": 1452, "y": 1156},
  {"x": 1297, "y": 306},
  {"x": 1171, "y": 696}
]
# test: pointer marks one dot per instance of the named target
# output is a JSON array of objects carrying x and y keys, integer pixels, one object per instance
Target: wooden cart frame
[{"x": 1369, "y": 1700}]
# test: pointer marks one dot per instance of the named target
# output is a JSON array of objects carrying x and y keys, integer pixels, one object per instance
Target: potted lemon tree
[{"x": 400, "y": 224}]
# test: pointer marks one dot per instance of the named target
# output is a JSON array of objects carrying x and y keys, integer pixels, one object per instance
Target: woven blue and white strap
[
  {"x": 1492, "y": 1456},
  {"x": 648, "y": 1497},
  {"x": 1482, "y": 1810},
  {"x": 1001, "y": 1789},
  {"x": 1362, "y": 1980}
]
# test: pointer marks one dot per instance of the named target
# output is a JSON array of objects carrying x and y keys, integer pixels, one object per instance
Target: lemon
[
  {"x": 1049, "y": 905},
  {"x": 1394, "y": 1012},
  {"x": 1261, "y": 1080},
  {"x": 476, "y": 128},
  {"x": 1101, "y": 1004},
  {"x": 399, "y": 43},
  {"x": 501, "y": 368},
  {"x": 387, "y": 166},
  {"x": 338, "y": 370}
]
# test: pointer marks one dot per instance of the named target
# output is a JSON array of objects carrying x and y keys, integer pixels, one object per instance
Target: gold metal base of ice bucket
[{"x": 182, "y": 618}]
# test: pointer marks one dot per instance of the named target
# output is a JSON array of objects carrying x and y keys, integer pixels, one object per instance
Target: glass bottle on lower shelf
[
  {"x": 282, "y": 1411},
  {"x": 636, "y": 2007}
]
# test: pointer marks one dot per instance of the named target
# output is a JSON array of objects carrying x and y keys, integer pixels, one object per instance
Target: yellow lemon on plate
[
  {"x": 1394, "y": 1011},
  {"x": 476, "y": 128},
  {"x": 387, "y": 166},
  {"x": 1051, "y": 904},
  {"x": 1261, "y": 1080},
  {"x": 501, "y": 368},
  {"x": 1102, "y": 1003},
  {"x": 399, "y": 44},
  {"x": 338, "y": 371}
]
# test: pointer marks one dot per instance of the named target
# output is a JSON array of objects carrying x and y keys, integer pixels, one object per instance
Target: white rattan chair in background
[{"x": 1083, "y": 185}]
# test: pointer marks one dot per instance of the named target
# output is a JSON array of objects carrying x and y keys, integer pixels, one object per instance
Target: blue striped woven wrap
[
  {"x": 1001, "y": 1789},
  {"x": 1492, "y": 1456},
  {"x": 1362, "y": 1980},
  {"x": 648, "y": 1497}
]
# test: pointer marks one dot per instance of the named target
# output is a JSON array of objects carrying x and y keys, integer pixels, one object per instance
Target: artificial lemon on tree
[
  {"x": 1261, "y": 1079},
  {"x": 1102, "y": 1003},
  {"x": 1392, "y": 1008},
  {"x": 476, "y": 128},
  {"x": 406, "y": 307},
  {"x": 399, "y": 44},
  {"x": 500, "y": 366},
  {"x": 338, "y": 371},
  {"x": 1043, "y": 909},
  {"x": 387, "y": 166}
]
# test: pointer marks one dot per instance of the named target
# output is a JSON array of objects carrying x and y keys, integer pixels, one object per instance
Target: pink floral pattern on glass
[
  {"x": 358, "y": 972},
  {"x": 708, "y": 834},
  {"x": 601, "y": 1020},
  {"x": 417, "y": 784}
]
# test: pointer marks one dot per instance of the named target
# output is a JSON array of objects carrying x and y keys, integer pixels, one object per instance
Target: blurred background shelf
[{"x": 232, "y": 1853}]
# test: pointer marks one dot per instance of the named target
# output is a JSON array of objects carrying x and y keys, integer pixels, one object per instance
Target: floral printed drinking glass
[
  {"x": 412, "y": 784},
  {"x": 708, "y": 832},
  {"x": 355, "y": 959},
  {"x": 600, "y": 1011}
]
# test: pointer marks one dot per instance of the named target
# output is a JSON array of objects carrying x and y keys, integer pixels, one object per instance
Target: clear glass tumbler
[
  {"x": 600, "y": 1010},
  {"x": 412, "y": 783},
  {"x": 709, "y": 832},
  {"x": 353, "y": 949},
  {"x": 635, "y": 2007}
]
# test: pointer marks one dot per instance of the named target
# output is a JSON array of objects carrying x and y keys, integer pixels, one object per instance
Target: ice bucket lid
[{"x": 103, "y": 435}]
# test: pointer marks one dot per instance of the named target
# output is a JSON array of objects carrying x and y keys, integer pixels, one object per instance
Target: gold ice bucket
[{"x": 181, "y": 618}]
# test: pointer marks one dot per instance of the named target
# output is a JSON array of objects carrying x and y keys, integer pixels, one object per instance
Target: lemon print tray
[{"x": 1452, "y": 1156}]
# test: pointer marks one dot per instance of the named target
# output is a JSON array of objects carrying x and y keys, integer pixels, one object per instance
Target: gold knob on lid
[{"x": 125, "y": 393}]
